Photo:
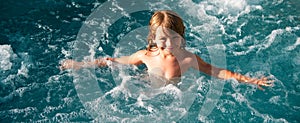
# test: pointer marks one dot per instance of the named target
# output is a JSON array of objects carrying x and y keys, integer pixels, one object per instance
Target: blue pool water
[{"x": 253, "y": 37}]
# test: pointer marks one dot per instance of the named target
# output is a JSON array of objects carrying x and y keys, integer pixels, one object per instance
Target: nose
[{"x": 169, "y": 43}]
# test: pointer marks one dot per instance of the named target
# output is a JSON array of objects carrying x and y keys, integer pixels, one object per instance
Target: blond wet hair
[{"x": 167, "y": 19}]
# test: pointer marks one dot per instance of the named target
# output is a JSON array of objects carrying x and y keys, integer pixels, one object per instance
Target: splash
[{"x": 6, "y": 55}]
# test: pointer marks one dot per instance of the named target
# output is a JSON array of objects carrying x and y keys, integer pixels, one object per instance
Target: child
[{"x": 165, "y": 56}]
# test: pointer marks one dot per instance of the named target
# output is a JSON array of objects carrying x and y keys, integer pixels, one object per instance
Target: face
[{"x": 167, "y": 39}]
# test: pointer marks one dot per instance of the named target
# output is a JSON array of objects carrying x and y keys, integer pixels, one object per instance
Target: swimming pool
[{"x": 252, "y": 37}]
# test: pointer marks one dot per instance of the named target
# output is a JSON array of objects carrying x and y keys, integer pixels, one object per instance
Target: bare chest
[{"x": 166, "y": 67}]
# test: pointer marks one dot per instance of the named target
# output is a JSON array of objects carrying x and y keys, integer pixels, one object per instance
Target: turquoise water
[{"x": 258, "y": 38}]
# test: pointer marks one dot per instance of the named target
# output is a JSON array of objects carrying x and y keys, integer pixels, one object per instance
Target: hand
[
  {"x": 102, "y": 61},
  {"x": 264, "y": 81},
  {"x": 110, "y": 59},
  {"x": 68, "y": 64}
]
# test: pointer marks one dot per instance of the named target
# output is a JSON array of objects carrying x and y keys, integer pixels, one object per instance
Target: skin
[{"x": 170, "y": 61}]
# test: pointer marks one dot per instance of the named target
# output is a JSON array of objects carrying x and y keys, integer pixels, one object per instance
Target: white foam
[
  {"x": 44, "y": 27},
  {"x": 65, "y": 52},
  {"x": 296, "y": 60},
  {"x": 229, "y": 6},
  {"x": 109, "y": 111},
  {"x": 5, "y": 57},
  {"x": 20, "y": 91},
  {"x": 230, "y": 9},
  {"x": 61, "y": 117},
  {"x": 292, "y": 47},
  {"x": 24, "y": 111},
  {"x": 23, "y": 70},
  {"x": 208, "y": 26},
  {"x": 272, "y": 37},
  {"x": 274, "y": 99},
  {"x": 241, "y": 43},
  {"x": 259, "y": 45},
  {"x": 239, "y": 97}
]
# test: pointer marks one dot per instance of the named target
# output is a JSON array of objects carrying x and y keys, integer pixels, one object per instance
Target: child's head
[{"x": 166, "y": 19}]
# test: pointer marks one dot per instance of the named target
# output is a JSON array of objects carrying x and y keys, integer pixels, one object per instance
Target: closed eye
[
  {"x": 176, "y": 37},
  {"x": 162, "y": 39}
]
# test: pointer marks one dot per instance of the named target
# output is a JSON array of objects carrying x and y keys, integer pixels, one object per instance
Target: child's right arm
[
  {"x": 134, "y": 59},
  {"x": 71, "y": 64}
]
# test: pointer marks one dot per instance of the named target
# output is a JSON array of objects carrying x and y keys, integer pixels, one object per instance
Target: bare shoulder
[
  {"x": 189, "y": 55},
  {"x": 186, "y": 57},
  {"x": 140, "y": 53},
  {"x": 191, "y": 60}
]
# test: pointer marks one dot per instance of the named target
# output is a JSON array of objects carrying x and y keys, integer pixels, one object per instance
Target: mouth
[{"x": 169, "y": 48}]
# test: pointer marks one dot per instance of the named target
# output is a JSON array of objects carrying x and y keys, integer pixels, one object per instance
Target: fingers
[
  {"x": 264, "y": 78},
  {"x": 62, "y": 65},
  {"x": 260, "y": 88},
  {"x": 264, "y": 81},
  {"x": 267, "y": 82},
  {"x": 66, "y": 64},
  {"x": 61, "y": 68},
  {"x": 101, "y": 62},
  {"x": 110, "y": 59}
]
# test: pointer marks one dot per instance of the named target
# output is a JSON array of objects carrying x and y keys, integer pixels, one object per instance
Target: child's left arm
[{"x": 226, "y": 74}]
